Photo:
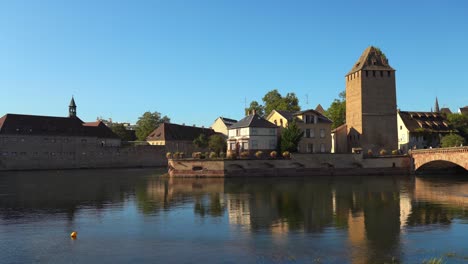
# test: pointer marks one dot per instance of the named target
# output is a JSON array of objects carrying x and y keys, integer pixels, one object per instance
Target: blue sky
[{"x": 197, "y": 60}]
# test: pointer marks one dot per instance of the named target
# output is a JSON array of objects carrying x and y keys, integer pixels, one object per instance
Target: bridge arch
[
  {"x": 438, "y": 164},
  {"x": 457, "y": 156}
]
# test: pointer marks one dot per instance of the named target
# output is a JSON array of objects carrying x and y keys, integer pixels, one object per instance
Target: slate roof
[
  {"x": 227, "y": 121},
  {"x": 429, "y": 121},
  {"x": 289, "y": 115},
  {"x": 169, "y": 131},
  {"x": 253, "y": 121},
  {"x": 371, "y": 59},
  {"x": 53, "y": 126},
  {"x": 321, "y": 117}
]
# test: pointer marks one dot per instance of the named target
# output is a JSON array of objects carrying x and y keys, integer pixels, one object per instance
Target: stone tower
[
  {"x": 371, "y": 109},
  {"x": 72, "y": 108}
]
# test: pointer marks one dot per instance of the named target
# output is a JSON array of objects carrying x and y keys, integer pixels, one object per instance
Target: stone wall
[
  {"x": 298, "y": 165},
  {"x": 104, "y": 157}
]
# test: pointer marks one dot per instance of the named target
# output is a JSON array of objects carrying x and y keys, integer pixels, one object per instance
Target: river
[{"x": 139, "y": 216}]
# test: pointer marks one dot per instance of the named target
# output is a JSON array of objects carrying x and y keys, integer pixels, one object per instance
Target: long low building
[{"x": 49, "y": 142}]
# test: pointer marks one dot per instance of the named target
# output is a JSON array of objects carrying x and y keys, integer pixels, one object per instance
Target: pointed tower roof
[
  {"x": 436, "y": 106},
  {"x": 72, "y": 102},
  {"x": 320, "y": 109},
  {"x": 372, "y": 59}
]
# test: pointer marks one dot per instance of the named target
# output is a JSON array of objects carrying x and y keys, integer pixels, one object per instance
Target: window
[
  {"x": 322, "y": 147},
  {"x": 310, "y": 148},
  {"x": 276, "y": 123},
  {"x": 373, "y": 73},
  {"x": 367, "y": 74},
  {"x": 388, "y": 73},
  {"x": 245, "y": 145},
  {"x": 315, "y": 119},
  {"x": 281, "y": 122},
  {"x": 238, "y": 132},
  {"x": 253, "y": 131},
  {"x": 401, "y": 127},
  {"x": 322, "y": 133},
  {"x": 232, "y": 146},
  {"x": 272, "y": 131},
  {"x": 312, "y": 133},
  {"x": 307, "y": 133},
  {"x": 381, "y": 73}
]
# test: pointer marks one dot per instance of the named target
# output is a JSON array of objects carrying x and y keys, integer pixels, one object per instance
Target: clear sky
[{"x": 197, "y": 60}]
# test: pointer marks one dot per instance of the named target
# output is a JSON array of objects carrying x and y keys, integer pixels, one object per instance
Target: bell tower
[
  {"x": 371, "y": 109},
  {"x": 72, "y": 108}
]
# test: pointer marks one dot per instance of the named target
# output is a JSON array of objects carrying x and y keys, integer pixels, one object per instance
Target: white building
[{"x": 251, "y": 134}]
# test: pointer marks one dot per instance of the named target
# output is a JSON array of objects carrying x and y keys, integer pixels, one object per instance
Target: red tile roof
[{"x": 52, "y": 126}]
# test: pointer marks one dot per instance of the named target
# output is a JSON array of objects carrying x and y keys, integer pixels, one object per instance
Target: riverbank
[{"x": 300, "y": 165}]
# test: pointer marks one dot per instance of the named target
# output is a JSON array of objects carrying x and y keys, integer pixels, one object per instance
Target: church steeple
[
  {"x": 436, "y": 106},
  {"x": 72, "y": 108}
]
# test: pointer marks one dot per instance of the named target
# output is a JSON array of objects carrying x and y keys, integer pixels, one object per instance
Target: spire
[
  {"x": 72, "y": 102},
  {"x": 436, "y": 106},
  {"x": 72, "y": 108}
]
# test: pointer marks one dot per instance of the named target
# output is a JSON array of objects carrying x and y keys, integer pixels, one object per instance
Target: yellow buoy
[{"x": 73, "y": 234}]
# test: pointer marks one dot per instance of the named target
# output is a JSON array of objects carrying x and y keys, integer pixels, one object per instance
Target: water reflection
[{"x": 354, "y": 219}]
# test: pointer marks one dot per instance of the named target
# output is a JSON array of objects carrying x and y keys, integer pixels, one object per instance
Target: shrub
[
  {"x": 196, "y": 155},
  {"x": 383, "y": 152},
  {"x": 168, "y": 155},
  {"x": 395, "y": 152},
  {"x": 245, "y": 154},
  {"x": 259, "y": 154},
  {"x": 181, "y": 155},
  {"x": 273, "y": 154},
  {"x": 231, "y": 155},
  {"x": 207, "y": 155},
  {"x": 222, "y": 155},
  {"x": 370, "y": 153},
  {"x": 286, "y": 155},
  {"x": 213, "y": 155},
  {"x": 175, "y": 155}
]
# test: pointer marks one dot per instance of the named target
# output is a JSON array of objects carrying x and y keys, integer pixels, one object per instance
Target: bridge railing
[{"x": 438, "y": 150}]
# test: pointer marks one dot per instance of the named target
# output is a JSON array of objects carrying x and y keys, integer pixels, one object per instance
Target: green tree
[
  {"x": 274, "y": 101},
  {"x": 337, "y": 111},
  {"x": 452, "y": 140},
  {"x": 460, "y": 123},
  {"x": 254, "y": 105},
  {"x": 148, "y": 122},
  {"x": 122, "y": 132},
  {"x": 290, "y": 137},
  {"x": 217, "y": 143},
  {"x": 201, "y": 141}
]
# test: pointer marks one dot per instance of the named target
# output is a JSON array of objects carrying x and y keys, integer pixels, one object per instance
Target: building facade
[
  {"x": 371, "y": 113},
  {"x": 222, "y": 124},
  {"x": 253, "y": 133},
  {"x": 419, "y": 130},
  {"x": 315, "y": 126}
]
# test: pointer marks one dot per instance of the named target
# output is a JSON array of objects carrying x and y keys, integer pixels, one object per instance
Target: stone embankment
[{"x": 298, "y": 165}]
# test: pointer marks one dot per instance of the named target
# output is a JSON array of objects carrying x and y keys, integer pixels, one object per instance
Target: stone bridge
[{"x": 457, "y": 155}]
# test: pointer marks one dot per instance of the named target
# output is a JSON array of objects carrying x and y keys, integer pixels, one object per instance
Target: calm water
[{"x": 135, "y": 216}]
